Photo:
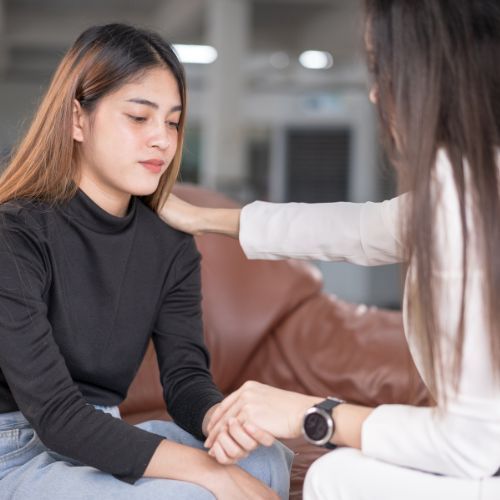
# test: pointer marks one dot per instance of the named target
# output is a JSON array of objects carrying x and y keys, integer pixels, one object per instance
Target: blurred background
[{"x": 278, "y": 103}]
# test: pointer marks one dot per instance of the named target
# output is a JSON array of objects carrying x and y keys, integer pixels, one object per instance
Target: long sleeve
[
  {"x": 178, "y": 337},
  {"x": 37, "y": 374},
  {"x": 361, "y": 233},
  {"x": 453, "y": 443}
]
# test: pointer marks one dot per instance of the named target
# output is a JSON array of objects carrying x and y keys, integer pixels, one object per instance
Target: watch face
[{"x": 315, "y": 426}]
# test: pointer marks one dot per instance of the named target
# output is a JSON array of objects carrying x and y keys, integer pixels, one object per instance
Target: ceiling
[{"x": 37, "y": 33}]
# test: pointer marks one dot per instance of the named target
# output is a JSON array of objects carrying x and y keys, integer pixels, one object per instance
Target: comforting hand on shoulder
[{"x": 181, "y": 215}]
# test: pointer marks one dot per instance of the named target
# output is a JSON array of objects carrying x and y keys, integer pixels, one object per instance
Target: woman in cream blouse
[{"x": 436, "y": 86}]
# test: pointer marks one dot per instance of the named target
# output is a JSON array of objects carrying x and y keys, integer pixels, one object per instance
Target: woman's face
[{"x": 129, "y": 139}]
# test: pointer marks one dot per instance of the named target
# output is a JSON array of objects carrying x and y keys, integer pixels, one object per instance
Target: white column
[
  {"x": 223, "y": 140},
  {"x": 277, "y": 168},
  {"x": 364, "y": 171}
]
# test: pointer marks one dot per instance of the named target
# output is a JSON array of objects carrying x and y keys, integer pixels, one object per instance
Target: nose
[{"x": 160, "y": 137}]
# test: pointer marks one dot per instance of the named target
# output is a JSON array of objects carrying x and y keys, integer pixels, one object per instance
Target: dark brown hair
[
  {"x": 102, "y": 59},
  {"x": 435, "y": 70}
]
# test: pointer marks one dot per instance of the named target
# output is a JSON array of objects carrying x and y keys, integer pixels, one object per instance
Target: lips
[{"x": 153, "y": 165}]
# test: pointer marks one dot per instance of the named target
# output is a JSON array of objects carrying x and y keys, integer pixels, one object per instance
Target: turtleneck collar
[{"x": 82, "y": 209}]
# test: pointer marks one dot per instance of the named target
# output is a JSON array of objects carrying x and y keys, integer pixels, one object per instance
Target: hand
[
  {"x": 237, "y": 440},
  {"x": 237, "y": 484},
  {"x": 269, "y": 409},
  {"x": 181, "y": 215}
]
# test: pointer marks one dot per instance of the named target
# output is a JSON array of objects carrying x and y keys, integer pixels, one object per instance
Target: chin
[{"x": 143, "y": 188}]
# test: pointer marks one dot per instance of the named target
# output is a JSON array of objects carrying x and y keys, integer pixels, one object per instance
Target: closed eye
[
  {"x": 137, "y": 119},
  {"x": 173, "y": 125}
]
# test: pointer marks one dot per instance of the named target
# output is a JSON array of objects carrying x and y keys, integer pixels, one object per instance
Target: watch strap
[{"x": 328, "y": 405}]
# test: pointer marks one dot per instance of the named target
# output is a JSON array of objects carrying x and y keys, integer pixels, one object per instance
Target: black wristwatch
[{"x": 318, "y": 425}]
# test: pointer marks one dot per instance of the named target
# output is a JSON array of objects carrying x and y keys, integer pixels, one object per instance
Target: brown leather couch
[{"x": 270, "y": 321}]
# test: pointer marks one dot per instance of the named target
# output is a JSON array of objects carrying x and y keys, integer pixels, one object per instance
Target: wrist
[
  {"x": 207, "y": 418},
  {"x": 308, "y": 402},
  {"x": 197, "y": 220},
  {"x": 319, "y": 423},
  {"x": 349, "y": 420},
  {"x": 337, "y": 418},
  {"x": 218, "y": 478},
  {"x": 212, "y": 475},
  {"x": 222, "y": 221}
]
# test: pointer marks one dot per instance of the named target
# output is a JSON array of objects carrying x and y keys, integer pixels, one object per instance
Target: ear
[{"x": 78, "y": 121}]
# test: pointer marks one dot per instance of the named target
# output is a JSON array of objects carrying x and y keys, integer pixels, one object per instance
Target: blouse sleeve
[
  {"x": 361, "y": 233},
  {"x": 37, "y": 375}
]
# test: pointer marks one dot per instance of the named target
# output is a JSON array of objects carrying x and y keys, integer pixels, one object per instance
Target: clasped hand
[{"x": 254, "y": 415}]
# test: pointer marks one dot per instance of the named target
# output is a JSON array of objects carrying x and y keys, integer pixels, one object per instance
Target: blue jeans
[{"x": 30, "y": 471}]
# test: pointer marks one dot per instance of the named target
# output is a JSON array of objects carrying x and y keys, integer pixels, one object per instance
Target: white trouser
[{"x": 347, "y": 474}]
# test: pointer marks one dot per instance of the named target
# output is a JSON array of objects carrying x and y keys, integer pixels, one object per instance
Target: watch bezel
[{"x": 329, "y": 423}]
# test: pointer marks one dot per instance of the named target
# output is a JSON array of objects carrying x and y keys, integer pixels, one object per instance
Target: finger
[
  {"x": 222, "y": 408},
  {"x": 261, "y": 436},
  {"x": 213, "y": 435},
  {"x": 221, "y": 424},
  {"x": 241, "y": 436},
  {"x": 230, "y": 447},
  {"x": 219, "y": 454}
]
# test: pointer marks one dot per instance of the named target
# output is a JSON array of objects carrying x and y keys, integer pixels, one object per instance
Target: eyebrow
[{"x": 152, "y": 104}]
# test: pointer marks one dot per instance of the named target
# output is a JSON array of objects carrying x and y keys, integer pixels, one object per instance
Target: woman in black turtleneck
[{"x": 88, "y": 274}]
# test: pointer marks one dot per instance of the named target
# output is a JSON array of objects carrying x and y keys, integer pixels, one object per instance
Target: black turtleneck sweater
[{"x": 81, "y": 293}]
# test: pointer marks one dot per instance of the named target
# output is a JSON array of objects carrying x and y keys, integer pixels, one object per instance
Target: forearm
[
  {"x": 170, "y": 459},
  {"x": 349, "y": 421},
  {"x": 221, "y": 220}
]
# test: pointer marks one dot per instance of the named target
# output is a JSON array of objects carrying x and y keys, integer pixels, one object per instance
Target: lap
[
  {"x": 49, "y": 476},
  {"x": 46, "y": 475},
  {"x": 271, "y": 465},
  {"x": 347, "y": 474}
]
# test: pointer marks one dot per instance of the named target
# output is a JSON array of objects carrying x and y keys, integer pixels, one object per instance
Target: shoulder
[
  {"x": 25, "y": 226},
  {"x": 164, "y": 235},
  {"x": 25, "y": 214}
]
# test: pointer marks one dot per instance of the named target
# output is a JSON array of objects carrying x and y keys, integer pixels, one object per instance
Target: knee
[
  {"x": 327, "y": 476},
  {"x": 271, "y": 465},
  {"x": 170, "y": 431},
  {"x": 314, "y": 480},
  {"x": 281, "y": 454},
  {"x": 277, "y": 458}
]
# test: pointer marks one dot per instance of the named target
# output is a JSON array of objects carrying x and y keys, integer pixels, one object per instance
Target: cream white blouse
[{"x": 464, "y": 438}]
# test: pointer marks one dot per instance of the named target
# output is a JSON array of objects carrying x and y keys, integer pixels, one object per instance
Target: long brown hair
[
  {"x": 102, "y": 59},
  {"x": 435, "y": 68}
]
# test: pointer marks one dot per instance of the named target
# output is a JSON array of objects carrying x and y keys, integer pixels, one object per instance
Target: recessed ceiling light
[
  {"x": 195, "y": 54},
  {"x": 316, "y": 59}
]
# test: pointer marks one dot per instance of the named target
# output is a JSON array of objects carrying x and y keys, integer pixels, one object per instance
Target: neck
[{"x": 112, "y": 201}]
